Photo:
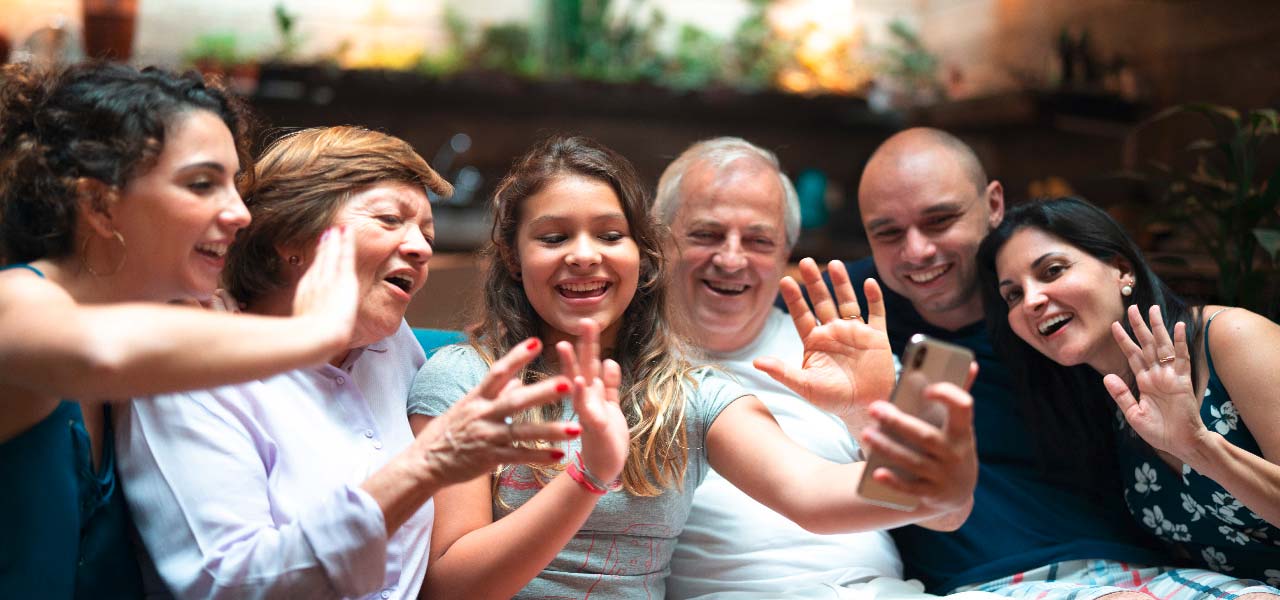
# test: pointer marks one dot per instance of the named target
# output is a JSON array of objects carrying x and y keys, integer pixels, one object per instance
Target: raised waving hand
[
  {"x": 1166, "y": 412},
  {"x": 605, "y": 434},
  {"x": 847, "y": 359}
]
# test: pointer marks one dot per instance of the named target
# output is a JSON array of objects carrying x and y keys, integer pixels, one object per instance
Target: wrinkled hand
[
  {"x": 847, "y": 363},
  {"x": 938, "y": 465},
  {"x": 473, "y": 436},
  {"x": 1167, "y": 412},
  {"x": 328, "y": 293},
  {"x": 605, "y": 434}
]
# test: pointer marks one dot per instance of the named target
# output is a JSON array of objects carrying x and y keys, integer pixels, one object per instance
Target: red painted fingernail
[
  {"x": 573, "y": 429},
  {"x": 533, "y": 344},
  {"x": 562, "y": 387},
  {"x": 557, "y": 454}
]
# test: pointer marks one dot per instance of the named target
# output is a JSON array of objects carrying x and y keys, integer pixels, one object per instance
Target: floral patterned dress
[{"x": 1202, "y": 522}]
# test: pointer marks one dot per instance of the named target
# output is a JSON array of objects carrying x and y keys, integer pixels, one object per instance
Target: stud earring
[
  {"x": 1126, "y": 290},
  {"x": 296, "y": 260}
]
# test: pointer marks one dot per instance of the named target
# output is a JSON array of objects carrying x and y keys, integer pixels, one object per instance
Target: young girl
[
  {"x": 1199, "y": 444},
  {"x": 576, "y": 255}
]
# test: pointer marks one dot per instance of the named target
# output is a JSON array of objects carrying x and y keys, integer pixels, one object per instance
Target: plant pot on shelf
[{"x": 108, "y": 28}]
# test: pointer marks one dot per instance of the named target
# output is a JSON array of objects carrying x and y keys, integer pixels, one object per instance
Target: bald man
[{"x": 1034, "y": 533}]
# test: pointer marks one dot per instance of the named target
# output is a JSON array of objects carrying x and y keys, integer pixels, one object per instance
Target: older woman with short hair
[{"x": 310, "y": 484}]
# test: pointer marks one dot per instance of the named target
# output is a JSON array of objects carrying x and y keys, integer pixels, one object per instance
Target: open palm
[
  {"x": 1166, "y": 412},
  {"x": 847, "y": 363},
  {"x": 606, "y": 437}
]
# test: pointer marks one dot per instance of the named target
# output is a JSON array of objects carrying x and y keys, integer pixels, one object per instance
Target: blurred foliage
[
  {"x": 1228, "y": 201},
  {"x": 911, "y": 65},
  {"x": 756, "y": 54},
  {"x": 597, "y": 40},
  {"x": 290, "y": 41},
  {"x": 216, "y": 49},
  {"x": 600, "y": 40}
]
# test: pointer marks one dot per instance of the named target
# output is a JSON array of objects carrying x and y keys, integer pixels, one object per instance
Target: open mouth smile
[
  {"x": 725, "y": 288},
  {"x": 214, "y": 250},
  {"x": 1052, "y": 324},
  {"x": 924, "y": 277},
  {"x": 583, "y": 289}
]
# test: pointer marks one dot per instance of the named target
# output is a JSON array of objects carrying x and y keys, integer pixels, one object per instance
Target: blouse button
[
  {"x": 368, "y": 433},
  {"x": 341, "y": 380}
]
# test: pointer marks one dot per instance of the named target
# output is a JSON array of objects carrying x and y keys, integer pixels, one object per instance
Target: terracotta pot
[{"x": 108, "y": 28}]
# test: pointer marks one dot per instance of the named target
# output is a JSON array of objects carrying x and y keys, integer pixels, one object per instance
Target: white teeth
[
  {"x": 727, "y": 287},
  {"x": 218, "y": 250},
  {"x": 927, "y": 276},
  {"x": 1051, "y": 321},
  {"x": 583, "y": 287}
]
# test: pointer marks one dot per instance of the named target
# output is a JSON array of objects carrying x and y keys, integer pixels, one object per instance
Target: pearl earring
[
  {"x": 296, "y": 260},
  {"x": 1126, "y": 290}
]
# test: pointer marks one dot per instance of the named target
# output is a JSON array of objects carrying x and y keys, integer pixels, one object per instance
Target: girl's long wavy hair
[
  {"x": 653, "y": 358},
  {"x": 1067, "y": 408}
]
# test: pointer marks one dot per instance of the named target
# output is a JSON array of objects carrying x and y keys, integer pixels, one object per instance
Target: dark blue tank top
[
  {"x": 65, "y": 526},
  {"x": 1202, "y": 522}
]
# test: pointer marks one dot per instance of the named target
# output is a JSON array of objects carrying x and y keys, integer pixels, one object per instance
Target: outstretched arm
[
  {"x": 1166, "y": 412},
  {"x": 52, "y": 346},
  {"x": 747, "y": 447}
]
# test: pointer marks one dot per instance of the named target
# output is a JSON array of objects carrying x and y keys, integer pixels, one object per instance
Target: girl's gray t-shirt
[{"x": 624, "y": 548}]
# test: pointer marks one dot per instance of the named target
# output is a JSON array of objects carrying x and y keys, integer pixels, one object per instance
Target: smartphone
[{"x": 924, "y": 361}]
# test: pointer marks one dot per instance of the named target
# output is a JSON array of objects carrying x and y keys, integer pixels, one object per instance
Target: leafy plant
[
  {"x": 507, "y": 47},
  {"x": 756, "y": 53},
  {"x": 290, "y": 41},
  {"x": 1228, "y": 202},
  {"x": 219, "y": 49},
  {"x": 454, "y": 57},
  {"x": 911, "y": 63},
  {"x": 696, "y": 61},
  {"x": 584, "y": 39}
]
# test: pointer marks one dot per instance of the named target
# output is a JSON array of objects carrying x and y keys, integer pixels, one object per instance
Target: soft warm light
[{"x": 828, "y": 46}]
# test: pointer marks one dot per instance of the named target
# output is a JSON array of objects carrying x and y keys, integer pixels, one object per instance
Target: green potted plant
[
  {"x": 218, "y": 54},
  {"x": 1227, "y": 201}
]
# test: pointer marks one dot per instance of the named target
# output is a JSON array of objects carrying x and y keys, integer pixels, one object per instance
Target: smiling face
[
  {"x": 179, "y": 217},
  {"x": 732, "y": 250},
  {"x": 576, "y": 257},
  {"x": 394, "y": 232},
  {"x": 924, "y": 218},
  {"x": 1062, "y": 300}
]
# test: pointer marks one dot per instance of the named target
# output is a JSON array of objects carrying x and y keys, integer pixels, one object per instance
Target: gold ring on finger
[
  {"x": 1164, "y": 360},
  {"x": 852, "y": 318}
]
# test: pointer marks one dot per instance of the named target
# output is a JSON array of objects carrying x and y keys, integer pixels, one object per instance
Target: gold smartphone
[{"x": 924, "y": 361}]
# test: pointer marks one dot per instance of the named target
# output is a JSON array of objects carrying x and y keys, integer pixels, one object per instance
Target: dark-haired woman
[
  {"x": 117, "y": 196},
  {"x": 578, "y": 256},
  {"x": 1065, "y": 291}
]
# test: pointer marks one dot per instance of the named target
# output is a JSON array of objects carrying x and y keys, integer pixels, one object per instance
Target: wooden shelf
[{"x": 1075, "y": 112}]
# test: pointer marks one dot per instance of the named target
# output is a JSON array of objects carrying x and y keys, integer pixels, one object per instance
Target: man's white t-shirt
[{"x": 735, "y": 546}]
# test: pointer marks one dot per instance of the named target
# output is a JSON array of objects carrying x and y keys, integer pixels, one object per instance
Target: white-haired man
[{"x": 734, "y": 218}]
